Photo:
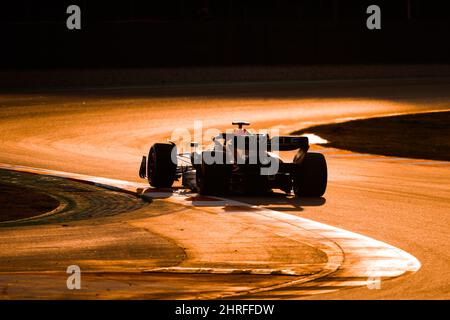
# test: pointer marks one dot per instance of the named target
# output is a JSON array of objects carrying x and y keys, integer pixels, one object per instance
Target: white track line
[
  {"x": 353, "y": 259},
  {"x": 365, "y": 259}
]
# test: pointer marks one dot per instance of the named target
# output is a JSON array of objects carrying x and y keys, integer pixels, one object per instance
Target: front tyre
[
  {"x": 310, "y": 180},
  {"x": 161, "y": 170}
]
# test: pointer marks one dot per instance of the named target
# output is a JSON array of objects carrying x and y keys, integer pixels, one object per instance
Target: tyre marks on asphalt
[{"x": 78, "y": 201}]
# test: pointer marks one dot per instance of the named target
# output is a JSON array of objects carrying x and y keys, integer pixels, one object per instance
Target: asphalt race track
[{"x": 393, "y": 202}]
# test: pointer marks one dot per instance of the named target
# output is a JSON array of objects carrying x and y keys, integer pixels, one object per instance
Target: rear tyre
[
  {"x": 161, "y": 170},
  {"x": 211, "y": 179},
  {"x": 310, "y": 180}
]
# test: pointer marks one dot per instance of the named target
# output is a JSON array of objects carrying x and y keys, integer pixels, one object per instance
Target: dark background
[{"x": 172, "y": 33}]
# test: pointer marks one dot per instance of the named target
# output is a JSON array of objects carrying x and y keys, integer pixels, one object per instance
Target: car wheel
[
  {"x": 161, "y": 170},
  {"x": 310, "y": 180},
  {"x": 211, "y": 179}
]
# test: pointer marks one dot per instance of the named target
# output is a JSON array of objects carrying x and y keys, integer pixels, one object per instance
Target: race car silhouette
[{"x": 238, "y": 162}]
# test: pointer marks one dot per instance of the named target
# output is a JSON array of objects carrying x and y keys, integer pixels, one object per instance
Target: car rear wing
[
  {"x": 281, "y": 143},
  {"x": 288, "y": 143}
]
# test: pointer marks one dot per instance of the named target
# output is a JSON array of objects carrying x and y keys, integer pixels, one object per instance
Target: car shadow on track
[
  {"x": 278, "y": 201},
  {"x": 281, "y": 201}
]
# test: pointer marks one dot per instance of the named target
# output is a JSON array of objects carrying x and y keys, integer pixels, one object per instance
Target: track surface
[{"x": 402, "y": 202}]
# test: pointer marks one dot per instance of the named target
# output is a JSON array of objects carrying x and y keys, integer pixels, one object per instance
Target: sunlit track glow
[
  {"x": 343, "y": 154},
  {"x": 350, "y": 255}
]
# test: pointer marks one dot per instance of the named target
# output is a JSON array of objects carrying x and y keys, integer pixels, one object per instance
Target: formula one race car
[{"x": 240, "y": 162}]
